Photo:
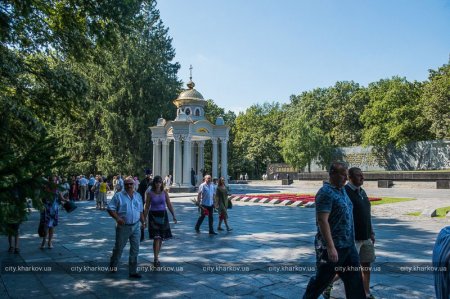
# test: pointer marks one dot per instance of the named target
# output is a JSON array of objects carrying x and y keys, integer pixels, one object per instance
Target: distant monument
[
  {"x": 419, "y": 155},
  {"x": 189, "y": 131}
]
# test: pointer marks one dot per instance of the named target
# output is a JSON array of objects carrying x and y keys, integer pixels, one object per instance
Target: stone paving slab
[{"x": 264, "y": 236}]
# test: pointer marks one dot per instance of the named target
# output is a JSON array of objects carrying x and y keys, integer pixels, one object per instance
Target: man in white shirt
[
  {"x": 205, "y": 200},
  {"x": 83, "y": 187}
]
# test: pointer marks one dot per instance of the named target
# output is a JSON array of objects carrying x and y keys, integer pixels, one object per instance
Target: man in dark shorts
[{"x": 364, "y": 235}]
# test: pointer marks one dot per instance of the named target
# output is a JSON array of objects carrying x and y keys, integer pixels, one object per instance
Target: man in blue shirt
[
  {"x": 335, "y": 238},
  {"x": 127, "y": 210},
  {"x": 83, "y": 187},
  {"x": 205, "y": 201}
]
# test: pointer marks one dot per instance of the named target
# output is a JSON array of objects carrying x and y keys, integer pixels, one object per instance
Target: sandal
[{"x": 11, "y": 249}]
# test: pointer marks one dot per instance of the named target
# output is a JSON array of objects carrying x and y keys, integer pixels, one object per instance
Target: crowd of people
[
  {"x": 345, "y": 235},
  {"x": 133, "y": 208}
]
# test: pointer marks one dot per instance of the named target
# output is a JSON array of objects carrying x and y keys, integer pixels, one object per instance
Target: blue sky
[{"x": 253, "y": 51}]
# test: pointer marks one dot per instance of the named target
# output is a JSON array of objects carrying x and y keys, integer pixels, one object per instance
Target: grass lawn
[
  {"x": 414, "y": 214},
  {"x": 441, "y": 212},
  {"x": 385, "y": 200}
]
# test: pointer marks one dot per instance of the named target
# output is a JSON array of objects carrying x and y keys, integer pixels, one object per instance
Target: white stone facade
[{"x": 189, "y": 131}]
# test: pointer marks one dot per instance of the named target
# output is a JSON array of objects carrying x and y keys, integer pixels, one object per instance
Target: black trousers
[
  {"x": 202, "y": 217},
  {"x": 91, "y": 193},
  {"x": 347, "y": 267}
]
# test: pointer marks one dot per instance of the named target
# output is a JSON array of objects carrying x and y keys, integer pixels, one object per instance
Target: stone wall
[{"x": 424, "y": 155}]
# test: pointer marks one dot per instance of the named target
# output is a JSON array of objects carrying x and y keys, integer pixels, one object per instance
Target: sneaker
[
  {"x": 327, "y": 293},
  {"x": 229, "y": 229},
  {"x": 212, "y": 233},
  {"x": 219, "y": 228}
]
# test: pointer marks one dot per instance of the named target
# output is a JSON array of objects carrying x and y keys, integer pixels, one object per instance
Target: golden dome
[{"x": 190, "y": 96}]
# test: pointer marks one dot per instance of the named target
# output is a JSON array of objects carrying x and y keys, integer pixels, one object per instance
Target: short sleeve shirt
[
  {"x": 330, "y": 199},
  {"x": 128, "y": 208},
  {"x": 102, "y": 187},
  {"x": 207, "y": 194}
]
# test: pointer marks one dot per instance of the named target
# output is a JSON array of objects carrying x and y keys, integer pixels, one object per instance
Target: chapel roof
[{"x": 190, "y": 96}]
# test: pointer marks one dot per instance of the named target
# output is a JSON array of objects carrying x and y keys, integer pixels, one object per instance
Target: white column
[
  {"x": 165, "y": 158},
  {"x": 187, "y": 162},
  {"x": 224, "y": 162},
  {"x": 177, "y": 157},
  {"x": 214, "y": 158},
  {"x": 194, "y": 163},
  {"x": 193, "y": 157},
  {"x": 200, "y": 161},
  {"x": 158, "y": 159},
  {"x": 156, "y": 168},
  {"x": 201, "y": 155}
]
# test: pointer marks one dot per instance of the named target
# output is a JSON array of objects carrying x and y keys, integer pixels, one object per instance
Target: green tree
[
  {"x": 131, "y": 85},
  {"x": 345, "y": 103},
  {"x": 436, "y": 101},
  {"x": 336, "y": 111},
  {"x": 257, "y": 138},
  {"x": 38, "y": 84},
  {"x": 303, "y": 138},
  {"x": 394, "y": 115}
]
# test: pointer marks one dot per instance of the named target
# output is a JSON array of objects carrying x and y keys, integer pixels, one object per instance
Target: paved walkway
[{"x": 269, "y": 254}]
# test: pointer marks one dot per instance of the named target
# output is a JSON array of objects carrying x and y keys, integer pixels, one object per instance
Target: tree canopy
[
  {"x": 256, "y": 140},
  {"x": 80, "y": 82},
  {"x": 436, "y": 101}
]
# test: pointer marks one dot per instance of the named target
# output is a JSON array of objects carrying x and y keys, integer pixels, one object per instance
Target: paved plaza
[{"x": 269, "y": 253}]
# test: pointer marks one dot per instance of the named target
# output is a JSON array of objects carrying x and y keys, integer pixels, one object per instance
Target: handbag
[
  {"x": 41, "y": 230},
  {"x": 230, "y": 204},
  {"x": 69, "y": 206}
]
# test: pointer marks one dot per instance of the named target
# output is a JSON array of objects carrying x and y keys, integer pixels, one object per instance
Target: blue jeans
[
  {"x": 123, "y": 233},
  {"x": 348, "y": 259}
]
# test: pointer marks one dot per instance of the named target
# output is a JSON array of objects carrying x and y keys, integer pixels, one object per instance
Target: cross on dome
[{"x": 191, "y": 83}]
